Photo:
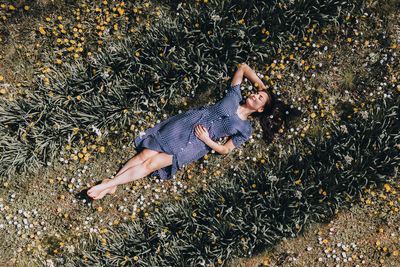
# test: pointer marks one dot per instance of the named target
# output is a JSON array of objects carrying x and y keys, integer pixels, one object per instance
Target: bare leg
[
  {"x": 138, "y": 159},
  {"x": 131, "y": 174}
]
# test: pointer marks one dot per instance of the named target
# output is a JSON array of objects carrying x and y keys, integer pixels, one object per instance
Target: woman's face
[{"x": 258, "y": 100}]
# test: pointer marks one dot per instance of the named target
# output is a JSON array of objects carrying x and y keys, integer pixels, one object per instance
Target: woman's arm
[
  {"x": 202, "y": 133},
  {"x": 246, "y": 71},
  {"x": 217, "y": 147}
]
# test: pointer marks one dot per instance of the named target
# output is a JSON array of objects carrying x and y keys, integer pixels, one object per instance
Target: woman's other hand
[
  {"x": 262, "y": 87},
  {"x": 201, "y": 133}
]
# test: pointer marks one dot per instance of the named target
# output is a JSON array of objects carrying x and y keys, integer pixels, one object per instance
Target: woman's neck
[{"x": 243, "y": 111}]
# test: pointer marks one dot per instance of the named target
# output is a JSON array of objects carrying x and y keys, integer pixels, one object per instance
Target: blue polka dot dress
[{"x": 176, "y": 135}]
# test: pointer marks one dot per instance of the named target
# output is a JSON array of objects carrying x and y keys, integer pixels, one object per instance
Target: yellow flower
[
  {"x": 42, "y": 31},
  {"x": 349, "y": 40},
  {"x": 313, "y": 115},
  {"x": 100, "y": 209},
  {"x": 194, "y": 214},
  {"x": 298, "y": 181},
  {"x": 26, "y": 7},
  {"x": 136, "y": 258}
]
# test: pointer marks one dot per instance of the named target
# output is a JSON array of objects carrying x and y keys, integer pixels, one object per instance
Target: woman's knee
[
  {"x": 158, "y": 161},
  {"x": 145, "y": 154}
]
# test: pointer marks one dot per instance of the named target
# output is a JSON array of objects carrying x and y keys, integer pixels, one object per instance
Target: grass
[
  {"x": 63, "y": 226},
  {"x": 364, "y": 234}
]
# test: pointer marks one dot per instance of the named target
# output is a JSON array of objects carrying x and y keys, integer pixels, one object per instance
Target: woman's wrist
[
  {"x": 215, "y": 146},
  {"x": 252, "y": 76}
]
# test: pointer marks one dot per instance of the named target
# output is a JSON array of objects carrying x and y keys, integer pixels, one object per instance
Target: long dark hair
[{"x": 275, "y": 116}]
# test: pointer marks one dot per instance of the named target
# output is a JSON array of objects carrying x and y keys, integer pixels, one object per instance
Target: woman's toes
[
  {"x": 102, "y": 194},
  {"x": 97, "y": 190}
]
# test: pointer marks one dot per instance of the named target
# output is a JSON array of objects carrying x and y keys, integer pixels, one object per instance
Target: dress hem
[{"x": 152, "y": 142}]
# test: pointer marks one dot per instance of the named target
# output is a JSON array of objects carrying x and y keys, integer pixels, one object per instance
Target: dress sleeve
[
  {"x": 234, "y": 91},
  {"x": 241, "y": 137}
]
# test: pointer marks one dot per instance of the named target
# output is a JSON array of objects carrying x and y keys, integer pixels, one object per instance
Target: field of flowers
[{"x": 79, "y": 80}]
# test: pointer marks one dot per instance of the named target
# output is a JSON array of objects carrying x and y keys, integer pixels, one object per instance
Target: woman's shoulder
[
  {"x": 234, "y": 89},
  {"x": 248, "y": 128},
  {"x": 244, "y": 127},
  {"x": 232, "y": 95}
]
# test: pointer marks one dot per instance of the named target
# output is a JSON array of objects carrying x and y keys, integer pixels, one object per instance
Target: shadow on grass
[{"x": 82, "y": 195}]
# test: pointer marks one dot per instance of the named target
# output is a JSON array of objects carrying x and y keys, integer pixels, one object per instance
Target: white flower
[
  {"x": 49, "y": 262},
  {"x": 104, "y": 75},
  {"x": 272, "y": 178},
  {"x": 364, "y": 114},
  {"x": 344, "y": 128},
  {"x": 348, "y": 159}
]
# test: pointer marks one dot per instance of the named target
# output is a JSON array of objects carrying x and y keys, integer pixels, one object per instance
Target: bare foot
[
  {"x": 96, "y": 190},
  {"x": 105, "y": 192}
]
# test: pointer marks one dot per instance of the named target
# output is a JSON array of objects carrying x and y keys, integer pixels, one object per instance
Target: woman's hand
[
  {"x": 249, "y": 73},
  {"x": 201, "y": 133},
  {"x": 262, "y": 87}
]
